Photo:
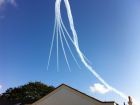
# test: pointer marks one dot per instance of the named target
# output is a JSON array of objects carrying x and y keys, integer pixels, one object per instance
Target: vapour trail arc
[
  {"x": 75, "y": 38},
  {"x": 59, "y": 29}
]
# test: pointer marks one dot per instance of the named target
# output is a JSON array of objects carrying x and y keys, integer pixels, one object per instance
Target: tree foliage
[{"x": 27, "y": 93}]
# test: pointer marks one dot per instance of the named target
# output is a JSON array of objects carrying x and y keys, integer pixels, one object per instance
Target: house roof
[{"x": 76, "y": 92}]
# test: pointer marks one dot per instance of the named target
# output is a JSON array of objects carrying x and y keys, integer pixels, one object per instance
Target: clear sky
[{"x": 109, "y": 36}]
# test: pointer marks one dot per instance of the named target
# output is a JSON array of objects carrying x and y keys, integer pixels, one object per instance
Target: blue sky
[{"x": 108, "y": 33}]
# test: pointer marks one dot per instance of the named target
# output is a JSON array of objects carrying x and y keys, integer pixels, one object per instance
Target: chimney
[{"x": 129, "y": 100}]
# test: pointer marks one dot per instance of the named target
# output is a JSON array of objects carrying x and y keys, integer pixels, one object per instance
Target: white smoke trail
[
  {"x": 63, "y": 26},
  {"x": 58, "y": 33},
  {"x": 64, "y": 50},
  {"x": 84, "y": 60},
  {"x": 54, "y": 30},
  {"x": 69, "y": 48},
  {"x": 57, "y": 48}
]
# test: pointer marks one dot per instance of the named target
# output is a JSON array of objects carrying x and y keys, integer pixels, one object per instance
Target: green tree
[{"x": 27, "y": 93}]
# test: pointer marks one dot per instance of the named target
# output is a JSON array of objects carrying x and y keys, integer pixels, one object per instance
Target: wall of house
[{"x": 66, "y": 97}]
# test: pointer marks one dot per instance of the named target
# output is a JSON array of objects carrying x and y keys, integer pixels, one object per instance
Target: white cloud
[
  {"x": 13, "y": 2},
  {"x": 4, "y": 2},
  {"x": 0, "y": 86},
  {"x": 99, "y": 88}
]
